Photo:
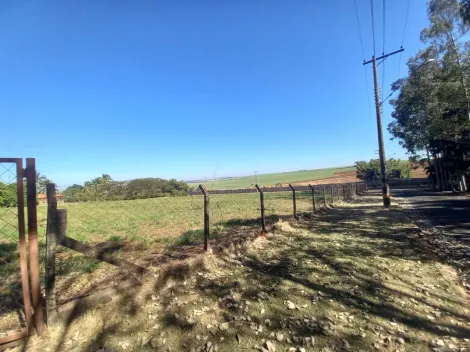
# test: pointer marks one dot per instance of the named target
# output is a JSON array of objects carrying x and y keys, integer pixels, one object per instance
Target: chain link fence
[
  {"x": 11, "y": 299},
  {"x": 136, "y": 230}
]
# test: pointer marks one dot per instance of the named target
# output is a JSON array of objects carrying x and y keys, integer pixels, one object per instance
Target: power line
[
  {"x": 373, "y": 25},
  {"x": 403, "y": 36},
  {"x": 383, "y": 26},
  {"x": 360, "y": 32},
  {"x": 363, "y": 55},
  {"x": 383, "y": 51}
]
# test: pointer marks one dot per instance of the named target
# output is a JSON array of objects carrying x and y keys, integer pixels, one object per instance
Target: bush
[{"x": 8, "y": 196}]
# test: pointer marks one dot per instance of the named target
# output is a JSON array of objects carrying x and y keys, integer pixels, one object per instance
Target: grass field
[
  {"x": 270, "y": 179},
  {"x": 359, "y": 278}
]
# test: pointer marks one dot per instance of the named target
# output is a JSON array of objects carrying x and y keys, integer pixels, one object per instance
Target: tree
[
  {"x": 41, "y": 182},
  {"x": 104, "y": 188},
  {"x": 8, "y": 195},
  {"x": 370, "y": 171},
  {"x": 465, "y": 11},
  {"x": 102, "y": 180},
  {"x": 74, "y": 193},
  {"x": 431, "y": 111}
]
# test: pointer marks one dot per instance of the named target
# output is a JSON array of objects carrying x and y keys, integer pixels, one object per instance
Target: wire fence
[
  {"x": 105, "y": 233},
  {"x": 11, "y": 298}
]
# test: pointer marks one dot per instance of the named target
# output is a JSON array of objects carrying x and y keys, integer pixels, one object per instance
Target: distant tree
[
  {"x": 370, "y": 171},
  {"x": 8, "y": 195},
  {"x": 74, "y": 193},
  {"x": 102, "y": 180},
  {"x": 104, "y": 188},
  {"x": 41, "y": 182}
]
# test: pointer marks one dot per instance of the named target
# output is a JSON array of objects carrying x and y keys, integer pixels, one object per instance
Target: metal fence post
[
  {"x": 206, "y": 216},
  {"x": 313, "y": 196},
  {"x": 22, "y": 245},
  {"x": 51, "y": 244},
  {"x": 261, "y": 199},
  {"x": 324, "y": 195},
  {"x": 294, "y": 202},
  {"x": 38, "y": 316}
]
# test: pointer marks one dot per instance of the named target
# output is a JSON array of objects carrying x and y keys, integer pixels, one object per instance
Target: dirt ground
[
  {"x": 340, "y": 177},
  {"x": 358, "y": 278},
  {"x": 350, "y": 176}
]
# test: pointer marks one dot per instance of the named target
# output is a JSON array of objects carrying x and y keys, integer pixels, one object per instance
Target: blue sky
[{"x": 189, "y": 89}]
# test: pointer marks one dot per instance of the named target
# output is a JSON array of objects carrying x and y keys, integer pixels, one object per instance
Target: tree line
[
  {"x": 431, "y": 112},
  {"x": 105, "y": 188}
]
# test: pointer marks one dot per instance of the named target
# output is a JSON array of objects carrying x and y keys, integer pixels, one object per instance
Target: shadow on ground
[{"x": 361, "y": 277}]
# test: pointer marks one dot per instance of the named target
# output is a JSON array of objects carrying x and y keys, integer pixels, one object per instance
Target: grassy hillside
[{"x": 271, "y": 179}]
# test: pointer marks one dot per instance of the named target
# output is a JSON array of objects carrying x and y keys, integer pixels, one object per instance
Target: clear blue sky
[{"x": 185, "y": 89}]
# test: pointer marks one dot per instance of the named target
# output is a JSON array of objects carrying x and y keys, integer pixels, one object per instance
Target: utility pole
[{"x": 378, "y": 108}]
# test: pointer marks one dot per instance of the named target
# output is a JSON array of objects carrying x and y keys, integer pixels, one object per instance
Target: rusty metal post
[
  {"x": 51, "y": 244},
  {"x": 261, "y": 199},
  {"x": 22, "y": 245},
  {"x": 206, "y": 216},
  {"x": 324, "y": 195},
  {"x": 313, "y": 197},
  {"x": 294, "y": 201},
  {"x": 38, "y": 316}
]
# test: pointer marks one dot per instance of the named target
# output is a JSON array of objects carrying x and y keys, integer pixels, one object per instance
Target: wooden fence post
[
  {"x": 332, "y": 196},
  {"x": 324, "y": 195},
  {"x": 38, "y": 315},
  {"x": 61, "y": 225},
  {"x": 261, "y": 199},
  {"x": 294, "y": 201},
  {"x": 206, "y": 216},
  {"x": 51, "y": 244},
  {"x": 313, "y": 197}
]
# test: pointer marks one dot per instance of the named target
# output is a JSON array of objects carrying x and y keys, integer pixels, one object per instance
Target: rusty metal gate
[{"x": 21, "y": 311}]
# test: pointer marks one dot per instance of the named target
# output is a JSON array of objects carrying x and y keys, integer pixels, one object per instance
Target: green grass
[
  {"x": 271, "y": 179},
  {"x": 160, "y": 219}
]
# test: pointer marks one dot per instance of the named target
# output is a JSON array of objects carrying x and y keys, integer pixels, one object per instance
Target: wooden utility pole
[{"x": 378, "y": 108}]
